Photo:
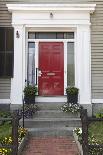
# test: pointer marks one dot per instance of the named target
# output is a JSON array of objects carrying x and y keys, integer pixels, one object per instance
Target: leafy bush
[
  {"x": 72, "y": 90},
  {"x": 99, "y": 115},
  {"x": 29, "y": 110},
  {"x": 30, "y": 91},
  {"x": 5, "y": 114}
]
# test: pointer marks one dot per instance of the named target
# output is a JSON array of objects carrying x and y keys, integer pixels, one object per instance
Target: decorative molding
[{"x": 51, "y": 7}]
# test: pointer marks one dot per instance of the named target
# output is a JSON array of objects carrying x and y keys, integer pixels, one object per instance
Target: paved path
[{"x": 51, "y": 146}]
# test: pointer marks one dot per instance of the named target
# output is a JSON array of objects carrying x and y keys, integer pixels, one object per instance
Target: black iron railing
[{"x": 86, "y": 121}]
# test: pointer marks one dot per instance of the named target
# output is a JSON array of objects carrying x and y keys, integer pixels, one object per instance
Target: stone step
[
  {"x": 54, "y": 114},
  {"x": 51, "y": 122},
  {"x": 57, "y": 132},
  {"x": 50, "y": 105}
]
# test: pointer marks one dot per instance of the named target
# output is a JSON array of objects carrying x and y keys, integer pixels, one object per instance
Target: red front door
[{"x": 51, "y": 68}]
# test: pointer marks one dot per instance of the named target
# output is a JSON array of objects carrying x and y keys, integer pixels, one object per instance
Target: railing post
[
  {"x": 15, "y": 123},
  {"x": 84, "y": 120}
]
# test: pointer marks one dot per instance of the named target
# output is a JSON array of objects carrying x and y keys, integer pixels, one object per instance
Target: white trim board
[
  {"x": 5, "y": 101},
  {"x": 97, "y": 100},
  {"x": 51, "y": 99},
  {"x": 52, "y": 7}
]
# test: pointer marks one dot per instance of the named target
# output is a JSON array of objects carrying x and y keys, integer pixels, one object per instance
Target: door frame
[{"x": 65, "y": 41}]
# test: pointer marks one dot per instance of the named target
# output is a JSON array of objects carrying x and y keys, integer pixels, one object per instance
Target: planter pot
[
  {"x": 72, "y": 98},
  {"x": 29, "y": 100}
]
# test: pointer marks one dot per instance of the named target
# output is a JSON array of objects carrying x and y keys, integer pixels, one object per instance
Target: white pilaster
[
  {"x": 83, "y": 63},
  {"x": 65, "y": 67},
  {"x": 17, "y": 83}
]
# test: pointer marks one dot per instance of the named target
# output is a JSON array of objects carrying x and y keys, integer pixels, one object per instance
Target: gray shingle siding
[
  {"x": 5, "y": 86},
  {"x": 96, "y": 37}
]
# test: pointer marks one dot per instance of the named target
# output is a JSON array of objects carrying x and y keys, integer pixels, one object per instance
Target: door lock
[{"x": 39, "y": 73}]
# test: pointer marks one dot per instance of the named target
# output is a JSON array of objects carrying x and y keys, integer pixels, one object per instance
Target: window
[
  {"x": 51, "y": 35},
  {"x": 6, "y": 52},
  {"x": 31, "y": 63},
  {"x": 70, "y": 64}
]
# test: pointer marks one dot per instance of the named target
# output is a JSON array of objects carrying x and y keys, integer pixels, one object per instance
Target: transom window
[{"x": 51, "y": 35}]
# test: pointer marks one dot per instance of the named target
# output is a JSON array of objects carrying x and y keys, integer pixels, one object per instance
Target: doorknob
[{"x": 39, "y": 73}]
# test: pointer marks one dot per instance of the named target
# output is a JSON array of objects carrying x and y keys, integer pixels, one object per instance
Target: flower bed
[
  {"x": 76, "y": 137},
  {"x": 92, "y": 140},
  {"x": 8, "y": 141},
  {"x": 71, "y": 108},
  {"x": 29, "y": 110},
  {"x": 22, "y": 143}
]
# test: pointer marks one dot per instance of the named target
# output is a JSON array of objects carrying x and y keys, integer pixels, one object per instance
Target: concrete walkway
[{"x": 51, "y": 146}]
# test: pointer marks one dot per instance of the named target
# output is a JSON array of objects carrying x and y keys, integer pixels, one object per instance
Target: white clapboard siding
[{"x": 5, "y": 86}]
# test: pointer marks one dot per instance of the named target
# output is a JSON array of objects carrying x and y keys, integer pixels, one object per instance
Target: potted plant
[
  {"x": 29, "y": 94},
  {"x": 72, "y": 95}
]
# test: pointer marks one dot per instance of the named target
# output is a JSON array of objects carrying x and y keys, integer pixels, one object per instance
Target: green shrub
[
  {"x": 30, "y": 91},
  {"x": 72, "y": 90}
]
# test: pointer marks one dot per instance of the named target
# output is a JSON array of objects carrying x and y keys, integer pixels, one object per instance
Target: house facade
[{"x": 53, "y": 45}]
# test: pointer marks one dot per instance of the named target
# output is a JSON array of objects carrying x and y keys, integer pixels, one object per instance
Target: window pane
[
  {"x": 70, "y": 64},
  {"x": 9, "y": 39},
  {"x": 46, "y": 35},
  {"x": 69, "y": 35},
  {"x": 31, "y": 35},
  {"x": 60, "y": 35},
  {"x": 2, "y": 39},
  {"x": 31, "y": 63}
]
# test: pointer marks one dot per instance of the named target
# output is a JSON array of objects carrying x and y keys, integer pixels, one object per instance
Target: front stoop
[{"x": 51, "y": 121}]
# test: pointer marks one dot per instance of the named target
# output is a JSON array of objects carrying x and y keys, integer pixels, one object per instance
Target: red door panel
[{"x": 51, "y": 65}]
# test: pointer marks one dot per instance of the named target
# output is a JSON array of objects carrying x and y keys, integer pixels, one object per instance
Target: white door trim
[{"x": 65, "y": 41}]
